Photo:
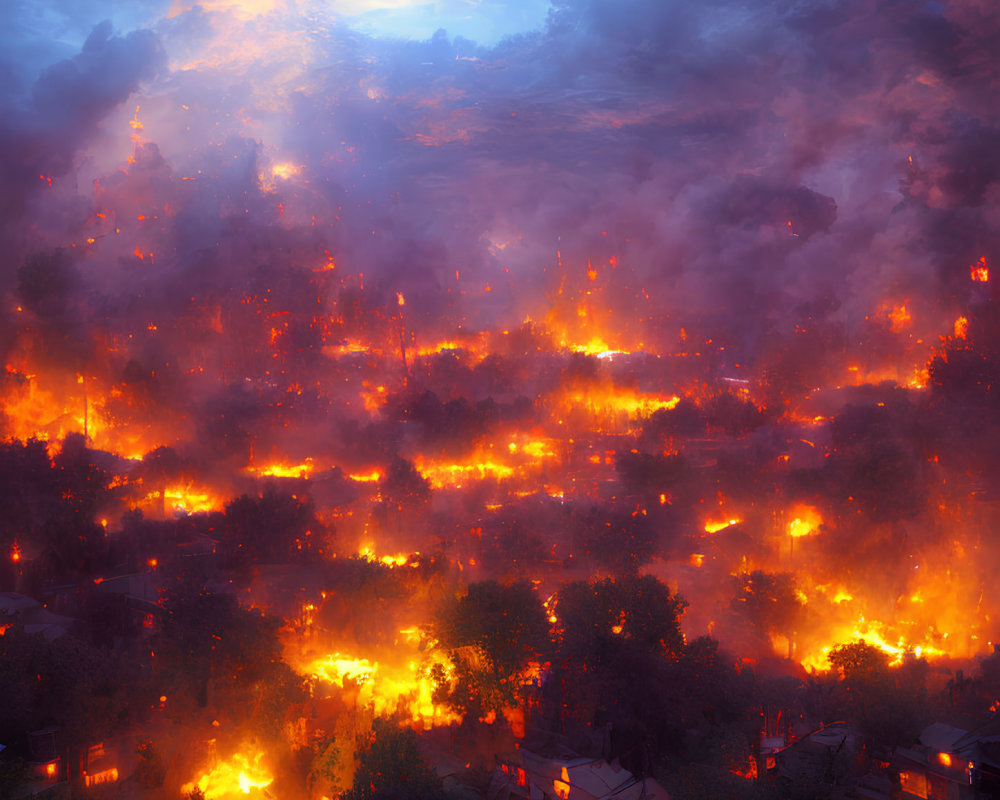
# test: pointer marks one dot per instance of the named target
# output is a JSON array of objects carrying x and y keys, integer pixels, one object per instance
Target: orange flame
[
  {"x": 561, "y": 785},
  {"x": 899, "y": 318},
  {"x": 715, "y": 527},
  {"x": 228, "y": 780},
  {"x": 805, "y": 522},
  {"x": 386, "y": 686},
  {"x": 980, "y": 271},
  {"x": 961, "y": 327}
]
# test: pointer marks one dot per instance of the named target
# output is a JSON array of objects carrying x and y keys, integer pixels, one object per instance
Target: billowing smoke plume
[
  {"x": 741, "y": 161},
  {"x": 231, "y": 228}
]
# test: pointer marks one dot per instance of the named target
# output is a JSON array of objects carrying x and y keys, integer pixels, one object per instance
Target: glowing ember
[
  {"x": 373, "y": 398},
  {"x": 836, "y": 594},
  {"x": 182, "y": 500},
  {"x": 980, "y": 271},
  {"x": 104, "y": 776},
  {"x": 603, "y": 403},
  {"x": 366, "y": 477},
  {"x": 348, "y": 348},
  {"x": 595, "y": 347},
  {"x": 474, "y": 348},
  {"x": 537, "y": 449}
]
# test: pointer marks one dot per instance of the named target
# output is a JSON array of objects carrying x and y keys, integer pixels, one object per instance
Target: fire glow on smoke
[
  {"x": 299, "y": 254},
  {"x": 239, "y": 776}
]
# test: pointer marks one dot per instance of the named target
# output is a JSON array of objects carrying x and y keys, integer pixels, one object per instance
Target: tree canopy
[
  {"x": 391, "y": 768},
  {"x": 492, "y": 635}
]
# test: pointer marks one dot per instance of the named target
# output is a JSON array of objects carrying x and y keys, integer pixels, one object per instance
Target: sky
[{"x": 739, "y": 167}]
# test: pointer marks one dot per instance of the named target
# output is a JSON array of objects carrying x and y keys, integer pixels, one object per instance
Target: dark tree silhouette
[
  {"x": 405, "y": 495},
  {"x": 888, "y": 704},
  {"x": 734, "y": 415},
  {"x": 874, "y": 461},
  {"x": 768, "y": 602},
  {"x": 512, "y": 549},
  {"x": 640, "y": 610},
  {"x": 616, "y": 540},
  {"x": 391, "y": 768},
  {"x": 403, "y": 486},
  {"x": 649, "y": 474},
  {"x": 492, "y": 634},
  {"x": 271, "y": 528},
  {"x": 203, "y": 634},
  {"x": 617, "y": 642},
  {"x": 682, "y": 421},
  {"x": 28, "y": 494}
]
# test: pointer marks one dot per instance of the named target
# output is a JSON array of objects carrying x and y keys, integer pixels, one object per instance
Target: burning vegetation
[
  {"x": 503, "y": 531},
  {"x": 339, "y": 438}
]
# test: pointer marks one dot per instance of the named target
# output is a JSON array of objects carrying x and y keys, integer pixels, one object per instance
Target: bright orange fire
[
  {"x": 899, "y": 318},
  {"x": 367, "y": 552},
  {"x": 805, "y": 520},
  {"x": 715, "y": 527},
  {"x": 605, "y": 391},
  {"x": 961, "y": 327},
  {"x": 405, "y": 683},
  {"x": 927, "y": 621},
  {"x": 243, "y": 774},
  {"x": 561, "y": 785},
  {"x": 336, "y": 668},
  {"x": 889, "y": 639},
  {"x": 444, "y": 475},
  {"x": 180, "y": 499},
  {"x": 303, "y": 470}
]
